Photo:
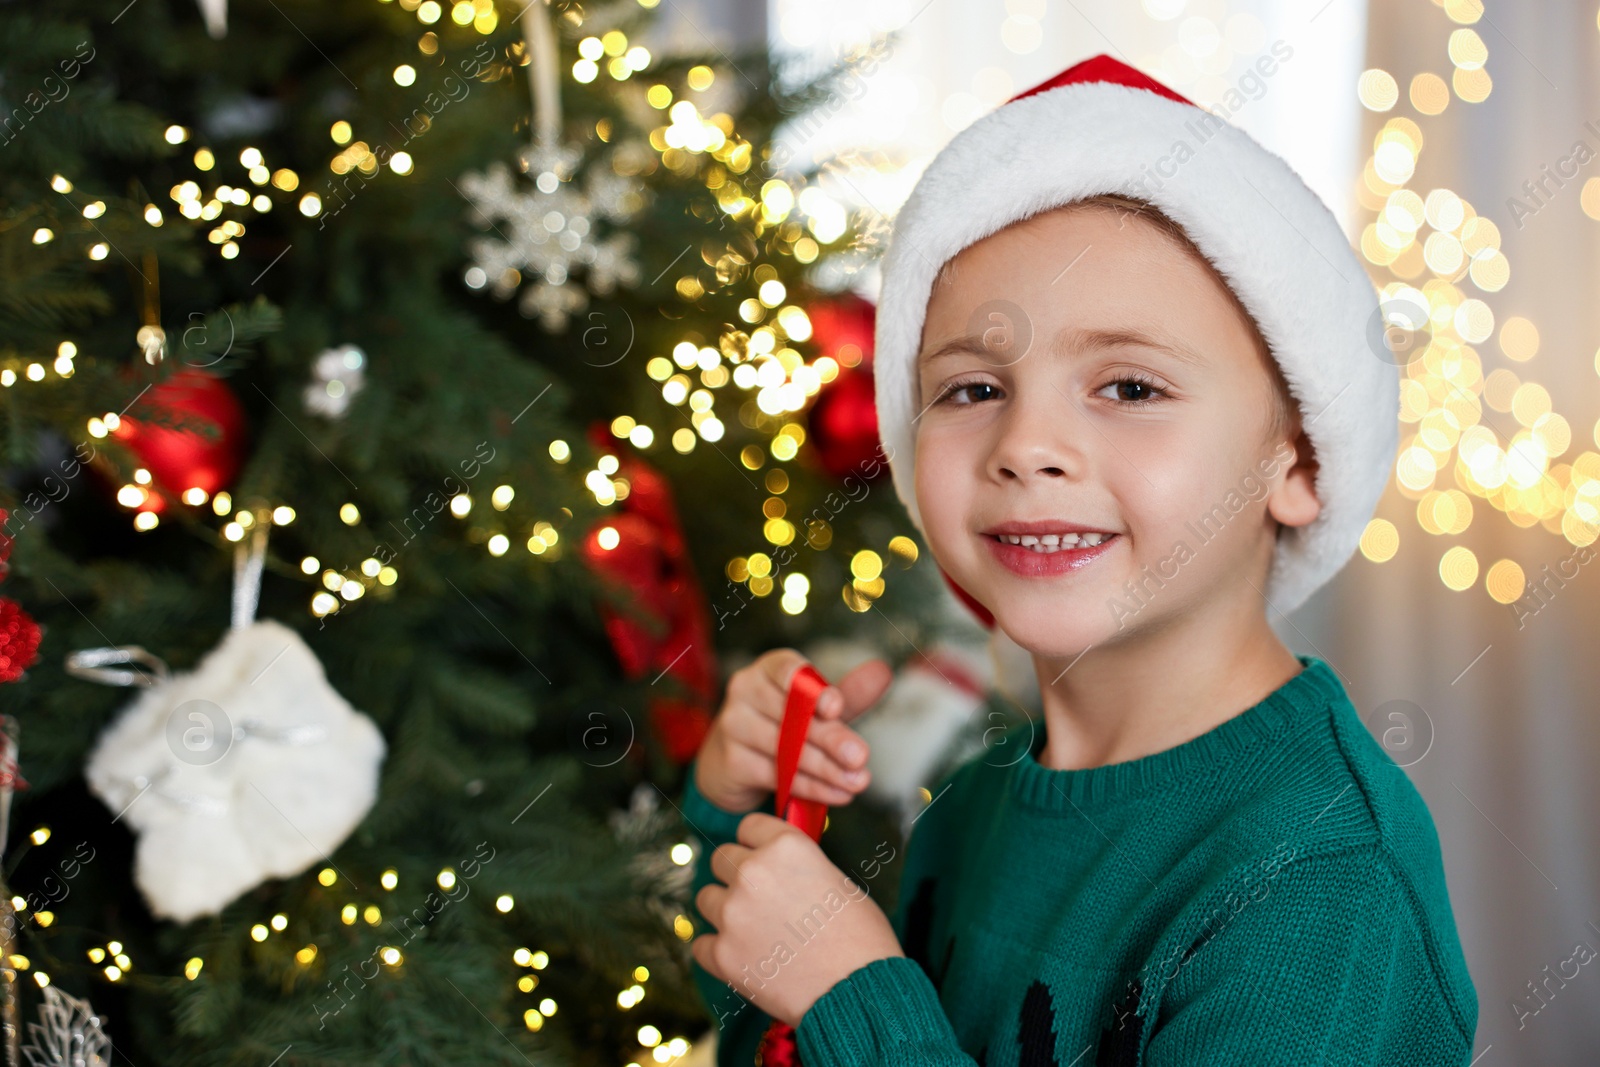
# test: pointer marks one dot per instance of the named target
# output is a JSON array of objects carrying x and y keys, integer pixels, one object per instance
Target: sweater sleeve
[
  {"x": 1326, "y": 960},
  {"x": 886, "y": 1012},
  {"x": 739, "y": 1023}
]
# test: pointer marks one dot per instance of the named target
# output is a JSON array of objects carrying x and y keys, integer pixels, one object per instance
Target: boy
[{"x": 1145, "y": 413}]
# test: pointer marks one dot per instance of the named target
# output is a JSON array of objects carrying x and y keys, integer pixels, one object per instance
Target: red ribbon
[{"x": 778, "y": 1047}]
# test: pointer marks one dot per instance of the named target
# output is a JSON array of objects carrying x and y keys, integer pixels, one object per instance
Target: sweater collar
[{"x": 1309, "y": 691}]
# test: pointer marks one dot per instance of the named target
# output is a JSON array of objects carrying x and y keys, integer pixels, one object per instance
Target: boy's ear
[{"x": 1294, "y": 502}]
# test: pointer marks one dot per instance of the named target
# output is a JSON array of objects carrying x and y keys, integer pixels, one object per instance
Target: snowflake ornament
[
  {"x": 69, "y": 1033},
  {"x": 549, "y": 231},
  {"x": 337, "y": 375}
]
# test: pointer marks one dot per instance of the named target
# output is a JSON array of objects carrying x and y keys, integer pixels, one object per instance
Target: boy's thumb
[{"x": 863, "y": 687}]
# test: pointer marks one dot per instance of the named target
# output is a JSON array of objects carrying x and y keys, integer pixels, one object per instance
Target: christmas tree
[{"x": 410, "y": 410}]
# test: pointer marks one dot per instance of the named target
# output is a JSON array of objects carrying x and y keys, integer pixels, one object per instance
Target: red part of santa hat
[
  {"x": 1101, "y": 126},
  {"x": 1102, "y": 68}
]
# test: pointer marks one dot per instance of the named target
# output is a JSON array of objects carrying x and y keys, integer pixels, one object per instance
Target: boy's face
[{"x": 1049, "y": 407}]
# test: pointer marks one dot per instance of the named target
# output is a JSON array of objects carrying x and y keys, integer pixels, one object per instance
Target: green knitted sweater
[{"x": 1270, "y": 892}]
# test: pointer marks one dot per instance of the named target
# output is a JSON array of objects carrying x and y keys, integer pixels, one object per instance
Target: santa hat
[{"x": 1103, "y": 127}]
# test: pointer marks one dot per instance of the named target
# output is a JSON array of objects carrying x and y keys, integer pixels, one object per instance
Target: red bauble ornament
[
  {"x": 19, "y": 640},
  {"x": 844, "y": 426},
  {"x": 844, "y": 418},
  {"x": 842, "y": 326},
  {"x": 204, "y": 454},
  {"x": 650, "y": 560}
]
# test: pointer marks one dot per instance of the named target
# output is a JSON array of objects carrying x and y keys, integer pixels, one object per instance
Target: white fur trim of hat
[{"x": 1103, "y": 127}]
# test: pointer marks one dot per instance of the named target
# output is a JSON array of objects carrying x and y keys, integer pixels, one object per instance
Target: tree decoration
[
  {"x": 191, "y": 438},
  {"x": 337, "y": 375},
  {"x": 10, "y": 780},
  {"x": 550, "y": 229},
  {"x": 249, "y": 767},
  {"x": 642, "y": 550},
  {"x": 844, "y": 425},
  {"x": 216, "y": 16},
  {"x": 19, "y": 634},
  {"x": 69, "y": 1033}
]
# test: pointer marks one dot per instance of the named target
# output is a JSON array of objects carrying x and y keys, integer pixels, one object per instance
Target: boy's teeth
[{"x": 1054, "y": 542}]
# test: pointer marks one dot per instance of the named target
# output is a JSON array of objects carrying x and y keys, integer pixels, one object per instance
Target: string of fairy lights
[{"x": 1433, "y": 246}]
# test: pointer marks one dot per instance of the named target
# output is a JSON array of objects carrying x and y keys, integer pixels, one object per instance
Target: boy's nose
[{"x": 1039, "y": 440}]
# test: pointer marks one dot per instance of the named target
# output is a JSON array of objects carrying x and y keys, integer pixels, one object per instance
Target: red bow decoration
[
  {"x": 778, "y": 1047},
  {"x": 651, "y": 562},
  {"x": 19, "y": 634}
]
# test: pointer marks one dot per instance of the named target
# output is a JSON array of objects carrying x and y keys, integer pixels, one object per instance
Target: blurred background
[{"x": 413, "y": 410}]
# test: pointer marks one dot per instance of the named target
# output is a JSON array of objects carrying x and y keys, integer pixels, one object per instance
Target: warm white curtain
[{"x": 1513, "y": 778}]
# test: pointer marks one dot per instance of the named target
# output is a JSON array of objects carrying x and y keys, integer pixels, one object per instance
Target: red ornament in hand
[
  {"x": 202, "y": 449},
  {"x": 778, "y": 1045}
]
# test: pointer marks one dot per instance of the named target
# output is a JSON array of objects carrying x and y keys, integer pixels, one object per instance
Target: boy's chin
[{"x": 1055, "y": 632}]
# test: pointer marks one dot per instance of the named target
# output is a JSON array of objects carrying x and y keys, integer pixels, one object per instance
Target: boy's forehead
[{"x": 1149, "y": 291}]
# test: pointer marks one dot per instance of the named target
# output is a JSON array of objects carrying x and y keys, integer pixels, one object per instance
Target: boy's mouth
[
  {"x": 1046, "y": 544},
  {"x": 1049, "y": 554},
  {"x": 1047, "y": 536}
]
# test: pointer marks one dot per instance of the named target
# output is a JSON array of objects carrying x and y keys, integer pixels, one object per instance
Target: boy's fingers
[
  {"x": 841, "y": 744},
  {"x": 709, "y": 901},
  {"x": 703, "y": 949},
  {"x": 726, "y": 861},
  {"x": 818, "y": 757},
  {"x": 808, "y": 787},
  {"x": 830, "y": 705},
  {"x": 778, "y": 666},
  {"x": 848, "y": 697}
]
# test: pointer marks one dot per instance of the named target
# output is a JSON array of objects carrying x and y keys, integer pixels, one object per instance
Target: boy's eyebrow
[
  {"x": 1090, "y": 340},
  {"x": 1077, "y": 338}
]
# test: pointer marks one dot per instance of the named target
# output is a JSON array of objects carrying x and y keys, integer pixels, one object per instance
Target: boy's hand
[
  {"x": 736, "y": 767},
  {"x": 789, "y": 923}
]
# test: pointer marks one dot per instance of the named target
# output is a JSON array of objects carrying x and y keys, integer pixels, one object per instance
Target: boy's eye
[
  {"x": 958, "y": 388},
  {"x": 1132, "y": 391}
]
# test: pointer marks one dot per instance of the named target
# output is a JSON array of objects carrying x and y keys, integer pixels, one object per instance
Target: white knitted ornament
[{"x": 249, "y": 767}]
